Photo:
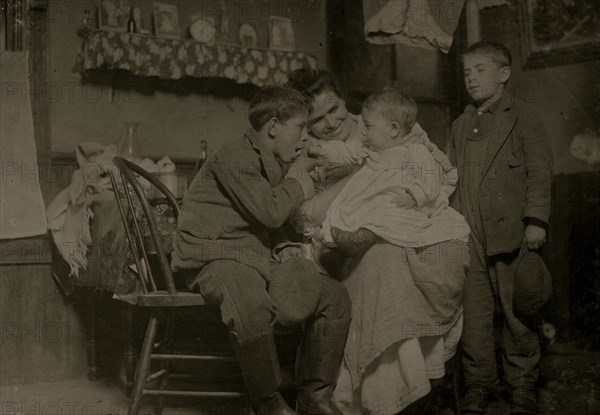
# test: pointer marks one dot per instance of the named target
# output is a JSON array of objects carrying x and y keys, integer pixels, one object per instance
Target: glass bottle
[
  {"x": 131, "y": 26},
  {"x": 129, "y": 147},
  {"x": 202, "y": 158}
]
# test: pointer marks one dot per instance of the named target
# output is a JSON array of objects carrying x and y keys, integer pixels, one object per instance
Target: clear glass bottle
[
  {"x": 203, "y": 151},
  {"x": 129, "y": 147}
]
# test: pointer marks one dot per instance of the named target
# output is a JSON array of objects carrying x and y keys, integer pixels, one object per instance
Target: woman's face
[{"x": 329, "y": 119}]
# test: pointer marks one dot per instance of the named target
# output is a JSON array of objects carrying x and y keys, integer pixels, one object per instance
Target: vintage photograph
[
  {"x": 111, "y": 16},
  {"x": 321, "y": 207},
  {"x": 281, "y": 34},
  {"x": 166, "y": 20}
]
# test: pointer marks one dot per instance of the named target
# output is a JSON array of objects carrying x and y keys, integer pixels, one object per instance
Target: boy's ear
[
  {"x": 504, "y": 74},
  {"x": 272, "y": 126},
  {"x": 395, "y": 129}
]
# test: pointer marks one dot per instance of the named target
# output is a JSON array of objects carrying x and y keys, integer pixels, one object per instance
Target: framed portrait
[
  {"x": 166, "y": 20},
  {"x": 559, "y": 32},
  {"x": 111, "y": 16},
  {"x": 281, "y": 34}
]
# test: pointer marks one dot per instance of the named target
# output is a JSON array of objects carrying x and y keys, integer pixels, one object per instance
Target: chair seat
[{"x": 162, "y": 298}]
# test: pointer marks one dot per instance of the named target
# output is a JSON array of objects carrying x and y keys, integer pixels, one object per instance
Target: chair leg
[
  {"x": 165, "y": 364},
  {"x": 90, "y": 334},
  {"x": 143, "y": 365},
  {"x": 128, "y": 345}
]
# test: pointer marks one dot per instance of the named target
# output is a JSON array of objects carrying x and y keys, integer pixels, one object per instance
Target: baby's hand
[{"x": 404, "y": 200}]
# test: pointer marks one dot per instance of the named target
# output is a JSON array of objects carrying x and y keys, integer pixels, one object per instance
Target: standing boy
[
  {"x": 505, "y": 174},
  {"x": 237, "y": 201}
]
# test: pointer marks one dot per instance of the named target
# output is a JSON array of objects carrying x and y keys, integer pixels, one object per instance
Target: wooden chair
[{"x": 162, "y": 300}]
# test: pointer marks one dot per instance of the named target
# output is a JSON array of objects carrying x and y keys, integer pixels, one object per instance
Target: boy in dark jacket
[
  {"x": 505, "y": 173},
  {"x": 241, "y": 197}
]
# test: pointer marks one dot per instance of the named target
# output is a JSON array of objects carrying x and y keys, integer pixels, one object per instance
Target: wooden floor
[{"x": 570, "y": 384}]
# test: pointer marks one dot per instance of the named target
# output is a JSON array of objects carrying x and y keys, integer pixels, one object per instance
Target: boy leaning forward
[
  {"x": 505, "y": 174},
  {"x": 231, "y": 213}
]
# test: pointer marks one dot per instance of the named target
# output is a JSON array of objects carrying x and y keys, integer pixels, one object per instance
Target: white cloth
[
  {"x": 399, "y": 376},
  {"x": 426, "y": 24},
  {"x": 21, "y": 203},
  {"x": 70, "y": 212},
  {"x": 366, "y": 200}
]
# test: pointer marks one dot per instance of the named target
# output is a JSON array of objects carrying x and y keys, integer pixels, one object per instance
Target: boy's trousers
[
  {"x": 489, "y": 287},
  {"x": 246, "y": 307}
]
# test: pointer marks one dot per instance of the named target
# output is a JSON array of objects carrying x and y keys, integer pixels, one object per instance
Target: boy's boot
[
  {"x": 476, "y": 399},
  {"x": 318, "y": 366},
  {"x": 353, "y": 243},
  {"x": 524, "y": 402},
  {"x": 257, "y": 357}
]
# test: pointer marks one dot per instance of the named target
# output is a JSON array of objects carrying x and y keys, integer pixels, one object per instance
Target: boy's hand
[
  {"x": 314, "y": 150},
  {"x": 404, "y": 200},
  {"x": 288, "y": 252},
  {"x": 535, "y": 236}
]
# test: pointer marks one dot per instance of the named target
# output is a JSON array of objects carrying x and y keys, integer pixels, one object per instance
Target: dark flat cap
[
  {"x": 533, "y": 284},
  {"x": 295, "y": 288}
]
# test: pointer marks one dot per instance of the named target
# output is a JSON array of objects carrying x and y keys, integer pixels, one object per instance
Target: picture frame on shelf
[
  {"x": 166, "y": 20},
  {"x": 559, "y": 33},
  {"x": 110, "y": 16},
  {"x": 281, "y": 34},
  {"x": 248, "y": 36}
]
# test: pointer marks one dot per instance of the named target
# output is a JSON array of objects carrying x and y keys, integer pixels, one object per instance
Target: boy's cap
[
  {"x": 295, "y": 289},
  {"x": 533, "y": 284}
]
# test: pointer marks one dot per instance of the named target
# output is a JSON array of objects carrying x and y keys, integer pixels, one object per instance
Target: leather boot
[
  {"x": 257, "y": 357},
  {"x": 524, "y": 402},
  {"x": 318, "y": 366},
  {"x": 476, "y": 400}
]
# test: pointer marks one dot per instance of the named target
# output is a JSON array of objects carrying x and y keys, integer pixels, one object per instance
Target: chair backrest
[{"x": 132, "y": 226}]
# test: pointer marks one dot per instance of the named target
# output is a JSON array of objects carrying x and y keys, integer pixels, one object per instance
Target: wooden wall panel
[{"x": 41, "y": 332}]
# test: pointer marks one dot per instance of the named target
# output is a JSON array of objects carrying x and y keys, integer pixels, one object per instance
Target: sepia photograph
[
  {"x": 300, "y": 207},
  {"x": 166, "y": 20},
  {"x": 281, "y": 34},
  {"x": 110, "y": 15}
]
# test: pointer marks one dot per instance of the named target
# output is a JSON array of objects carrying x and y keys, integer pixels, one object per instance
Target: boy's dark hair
[
  {"x": 275, "y": 101},
  {"x": 496, "y": 51},
  {"x": 312, "y": 82},
  {"x": 394, "y": 107}
]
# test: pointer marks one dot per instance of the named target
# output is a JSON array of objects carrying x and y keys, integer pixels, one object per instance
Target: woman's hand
[{"x": 535, "y": 237}]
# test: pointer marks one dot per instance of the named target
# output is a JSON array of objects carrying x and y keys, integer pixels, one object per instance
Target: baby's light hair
[
  {"x": 497, "y": 52},
  {"x": 394, "y": 107}
]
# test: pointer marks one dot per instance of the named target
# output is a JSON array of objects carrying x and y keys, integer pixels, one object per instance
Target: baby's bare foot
[{"x": 353, "y": 243}]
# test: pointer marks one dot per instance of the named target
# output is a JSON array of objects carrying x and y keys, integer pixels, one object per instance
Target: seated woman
[
  {"x": 339, "y": 140},
  {"x": 406, "y": 300}
]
